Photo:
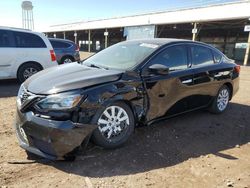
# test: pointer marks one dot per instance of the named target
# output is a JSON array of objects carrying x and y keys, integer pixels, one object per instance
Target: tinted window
[
  {"x": 217, "y": 57},
  {"x": 59, "y": 44},
  {"x": 174, "y": 57},
  {"x": 201, "y": 56},
  {"x": 4, "y": 39},
  {"x": 28, "y": 40}
]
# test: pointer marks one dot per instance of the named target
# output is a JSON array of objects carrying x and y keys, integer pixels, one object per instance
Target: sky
[{"x": 53, "y": 12}]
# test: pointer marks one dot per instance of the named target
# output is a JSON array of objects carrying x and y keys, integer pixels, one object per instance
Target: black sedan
[{"x": 128, "y": 84}]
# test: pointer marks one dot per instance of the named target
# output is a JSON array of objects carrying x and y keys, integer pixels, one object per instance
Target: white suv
[{"x": 23, "y": 53}]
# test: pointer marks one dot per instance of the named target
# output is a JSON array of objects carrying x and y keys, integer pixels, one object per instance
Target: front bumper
[{"x": 49, "y": 138}]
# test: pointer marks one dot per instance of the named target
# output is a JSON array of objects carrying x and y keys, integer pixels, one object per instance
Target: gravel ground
[{"x": 198, "y": 149}]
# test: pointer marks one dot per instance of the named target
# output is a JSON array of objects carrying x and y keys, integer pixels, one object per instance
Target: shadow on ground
[
  {"x": 167, "y": 143},
  {"x": 8, "y": 88}
]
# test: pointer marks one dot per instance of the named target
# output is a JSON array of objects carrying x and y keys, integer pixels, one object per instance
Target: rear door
[
  {"x": 168, "y": 94},
  {"x": 6, "y": 53},
  {"x": 205, "y": 68}
]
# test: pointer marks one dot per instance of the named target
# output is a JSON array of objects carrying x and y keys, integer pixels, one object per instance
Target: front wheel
[
  {"x": 221, "y": 101},
  {"x": 115, "y": 125}
]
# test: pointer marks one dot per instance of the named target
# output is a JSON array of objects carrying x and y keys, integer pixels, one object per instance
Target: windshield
[{"x": 122, "y": 56}]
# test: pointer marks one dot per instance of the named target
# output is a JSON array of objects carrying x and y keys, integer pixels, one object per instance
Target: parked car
[
  {"x": 24, "y": 53},
  {"x": 107, "y": 95},
  {"x": 66, "y": 50}
]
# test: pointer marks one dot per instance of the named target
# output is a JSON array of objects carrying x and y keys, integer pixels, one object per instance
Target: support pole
[
  {"x": 106, "y": 38},
  {"x": 23, "y": 18},
  {"x": 27, "y": 18},
  {"x": 194, "y": 31},
  {"x": 247, "y": 51},
  {"x": 89, "y": 38},
  {"x": 156, "y": 31},
  {"x": 75, "y": 35},
  {"x": 32, "y": 20},
  {"x": 64, "y": 35}
]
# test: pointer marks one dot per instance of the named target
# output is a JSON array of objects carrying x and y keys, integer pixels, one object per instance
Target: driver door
[{"x": 168, "y": 94}]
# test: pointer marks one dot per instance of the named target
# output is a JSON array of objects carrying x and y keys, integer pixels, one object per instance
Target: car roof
[
  {"x": 165, "y": 41},
  {"x": 17, "y": 29},
  {"x": 62, "y": 40}
]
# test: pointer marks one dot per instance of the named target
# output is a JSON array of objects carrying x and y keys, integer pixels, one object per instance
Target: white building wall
[{"x": 211, "y": 13}]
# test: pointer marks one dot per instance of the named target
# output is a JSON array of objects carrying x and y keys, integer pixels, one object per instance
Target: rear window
[
  {"x": 28, "y": 40},
  {"x": 201, "y": 56},
  {"x": 217, "y": 57},
  {"x": 59, "y": 44},
  {"x": 4, "y": 38}
]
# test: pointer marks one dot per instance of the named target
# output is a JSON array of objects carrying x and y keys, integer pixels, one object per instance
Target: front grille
[
  {"x": 25, "y": 98},
  {"x": 25, "y": 95}
]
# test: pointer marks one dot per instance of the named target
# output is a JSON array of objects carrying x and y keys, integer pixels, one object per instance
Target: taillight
[
  {"x": 77, "y": 48},
  {"x": 237, "y": 68},
  {"x": 52, "y": 55}
]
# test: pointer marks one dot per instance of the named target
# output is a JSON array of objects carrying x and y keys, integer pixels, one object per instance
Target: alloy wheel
[
  {"x": 28, "y": 72},
  {"x": 222, "y": 99},
  {"x": 113, "y": 122},
  {"x": 67, "y": 60}
]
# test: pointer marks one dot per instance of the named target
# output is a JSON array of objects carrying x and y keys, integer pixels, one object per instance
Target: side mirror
[{"x": 158, "y": 69}]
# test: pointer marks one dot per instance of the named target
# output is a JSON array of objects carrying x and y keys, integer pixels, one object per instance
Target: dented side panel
[{"x": 128, "y": 89}]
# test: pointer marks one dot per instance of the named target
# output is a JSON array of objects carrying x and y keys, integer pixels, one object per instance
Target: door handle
[{"x": 187, "y": 81}]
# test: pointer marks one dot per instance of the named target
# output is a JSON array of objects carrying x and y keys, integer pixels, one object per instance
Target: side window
[
  {"x": 217, "y": 57},
  {"x": 54, "y": 44},
  {"x": 58, "y": 44},
  {"x": 28, "y": 40},
  {"x": 4, "y": 39},
  {"x": 174, "y": 57},
  {"x": 201, "y": 56},
  {"x": 65, "y": 45}
]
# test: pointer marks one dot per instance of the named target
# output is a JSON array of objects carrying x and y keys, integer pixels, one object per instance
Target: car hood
[{"x": 68, "y": 77}]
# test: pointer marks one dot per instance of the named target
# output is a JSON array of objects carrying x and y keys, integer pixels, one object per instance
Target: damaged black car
[{"x": 106, "y": 96}]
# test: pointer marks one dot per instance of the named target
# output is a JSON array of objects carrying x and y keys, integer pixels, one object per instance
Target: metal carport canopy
[{"x": 239, "y": 10}]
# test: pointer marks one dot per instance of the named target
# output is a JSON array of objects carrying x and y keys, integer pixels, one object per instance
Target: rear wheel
[
  {"x": 221, "y": 101},
  {"x": 67, "y": 59},
  {"x": 27, "y": 70},
  {"x": 115, "y": 125}
]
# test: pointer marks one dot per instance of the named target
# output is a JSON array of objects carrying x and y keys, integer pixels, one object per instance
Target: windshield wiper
[{"x": 95, "y": 66}]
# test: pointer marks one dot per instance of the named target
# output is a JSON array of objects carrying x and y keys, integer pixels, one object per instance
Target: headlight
[
  {"x": 19, "y": 95},
  {"x": 60, "y": 101}
]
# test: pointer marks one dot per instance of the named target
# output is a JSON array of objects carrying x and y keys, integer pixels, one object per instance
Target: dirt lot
[{"x": 195, "y": 150}]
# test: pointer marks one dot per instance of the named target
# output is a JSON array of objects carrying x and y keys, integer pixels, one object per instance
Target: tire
[
  {"x": 26, "y": 71},
  {"x": 67, "y": 59},
  {"x": 221, "y": 101},
  {"x": 112, "y": 132}
]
